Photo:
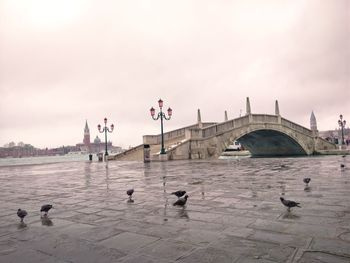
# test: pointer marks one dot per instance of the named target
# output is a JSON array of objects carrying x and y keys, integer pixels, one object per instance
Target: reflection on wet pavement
[
  {"x": 182, "y": 213},
  {"x": 21, "y": 225},
  {"x": 233, "y": 213},
  {"x": 45, "y": 221},
  {"x": 307, "y": 189}
]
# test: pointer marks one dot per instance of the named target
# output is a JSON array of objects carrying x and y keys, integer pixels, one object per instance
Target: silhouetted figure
[
  {"x": 45, "y": 208},
  {"x": 342, "y": 166},
  {"x": 181, "y": 201},
  {"x": 129, "y": 193},
  {"x": 289, "y": 203},
  {"x": 307, "y": 181},
  {"x": 179, "y": 193},
  {"x": 21, "y": 214}
]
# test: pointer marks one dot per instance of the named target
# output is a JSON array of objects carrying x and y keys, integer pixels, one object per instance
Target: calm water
[{"x": 43, "y": 159}]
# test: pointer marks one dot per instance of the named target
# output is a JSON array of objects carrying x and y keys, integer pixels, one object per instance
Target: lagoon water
[
  {"x": 43, "y": 159},
  {"x": 233, "y": 212}
]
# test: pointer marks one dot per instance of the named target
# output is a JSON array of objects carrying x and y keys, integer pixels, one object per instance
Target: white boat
[{"x": 235, "y": 146}]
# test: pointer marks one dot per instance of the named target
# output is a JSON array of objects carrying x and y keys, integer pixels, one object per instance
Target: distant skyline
[{"x": 63, "y": 62}]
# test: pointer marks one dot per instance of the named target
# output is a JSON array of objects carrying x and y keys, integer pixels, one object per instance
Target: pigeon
[
  {"x": 46, "y": 208},
  {"x": 289, "y": 203},
  {"x": 181, "y": 201},
  {"x": 179, "y": 193},
  {"x": 342, "y": 166},
  {"x": 130, "y": 192},
  {"x": 307, "y": 180},
  {"x": 21, "y": 214}
]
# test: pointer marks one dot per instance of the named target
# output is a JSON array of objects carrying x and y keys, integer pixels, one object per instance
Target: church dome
[{"x": 97, "y": 140}]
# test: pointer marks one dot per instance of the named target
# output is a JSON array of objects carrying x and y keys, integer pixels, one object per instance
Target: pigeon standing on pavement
[
  {"x": 179, "y": 193},
  {"x": 21, "y": 214},
  {"x": 45, "y": 208},
  {"x": 129, "y": 193},
  {"x": 342, "y": 166},
  {"x": 181, "y": 201},
  {"x": 307, "y": 181},
  {"x": 289, "y": 203}
]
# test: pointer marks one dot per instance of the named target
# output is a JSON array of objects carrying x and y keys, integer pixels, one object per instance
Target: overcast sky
[{"x": 66, "y": 61}]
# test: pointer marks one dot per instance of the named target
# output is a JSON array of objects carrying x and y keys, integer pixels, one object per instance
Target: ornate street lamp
[
  {"x": 105, "y": 130},
  {"x": 342, "y": 123},
  {"x": 162, "y": 116}
]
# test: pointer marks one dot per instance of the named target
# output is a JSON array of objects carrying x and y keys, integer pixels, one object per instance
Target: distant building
[
  {"x": 95, "y": 146},
  {"x": 334, "y": 136},
  {"x": 27, "y": 150}
]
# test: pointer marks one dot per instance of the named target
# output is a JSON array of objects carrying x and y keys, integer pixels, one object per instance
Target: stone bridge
[{"x": 261, "y": 134}]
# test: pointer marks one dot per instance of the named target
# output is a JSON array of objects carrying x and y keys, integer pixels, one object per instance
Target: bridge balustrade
[
  {"x": 295, "y": 126},
  {"x": 222, "y": 127},
  {"x": 241, "y": 121},
  {"x": 209, "y": 131},
  {"x": 172, "y": 135},
  {"x": 264, "y": 118},
  {"x": 225, "y": 126}
]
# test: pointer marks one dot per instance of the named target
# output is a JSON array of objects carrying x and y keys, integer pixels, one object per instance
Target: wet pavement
[{"x": 233, "y": 213}]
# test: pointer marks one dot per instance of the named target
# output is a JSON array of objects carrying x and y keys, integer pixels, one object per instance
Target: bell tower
[
  {"x": 86, "y": 139},
  {"x": 313, "y": 123}
]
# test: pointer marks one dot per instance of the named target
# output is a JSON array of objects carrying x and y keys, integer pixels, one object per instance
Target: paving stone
[
  {"x": 251, "y": 259},
  {"x": 270, "y": 225},
  {"x": 238, "y": 231},
  {"x": 168, "y": 249},
  {"x": 279, "y": 238},
  {"x": 75, "y": 229},
  {"x": 233, "y": 213},
  {"x": 335, "y": 246},
  {"x": 322, "y": 257},
  {"x": 199, "y": 237},
  {"x": 96, "y": 234},
  {"x": 209, "y": 255},
  {"x": 127, "y": 241},
  {"x": 162, "y": 231},
  {"x": 29, "y": 256},
  {"x": 138, "y": 258},
  {"x": 72, "y": 250},
  {"x": 266, "y": 250},
  {"x": 7, "y": 246}
]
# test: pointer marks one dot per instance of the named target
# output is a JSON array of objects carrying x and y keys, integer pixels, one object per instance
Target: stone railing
[
  {"x": 224, "y": 126},
  {"x": 264, "y": 118},
  {"x": 127, "y": 152},
  {"x": 296, "y": 127},
  {"x": 212, "y": 130},
  {"x": 172, "y": 135}
]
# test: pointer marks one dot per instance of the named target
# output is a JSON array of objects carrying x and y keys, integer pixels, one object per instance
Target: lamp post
[
  {"x": 341, "y": 123},
  {"x": 105, "y": 130},
  {"x": 162, "y": 116}
]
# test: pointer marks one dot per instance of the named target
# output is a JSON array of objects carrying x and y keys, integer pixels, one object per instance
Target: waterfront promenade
[{"x": 233, "y": 213}]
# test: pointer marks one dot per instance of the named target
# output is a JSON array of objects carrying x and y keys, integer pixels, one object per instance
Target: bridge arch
[
  {"x": 264, "y": 142},
  {"x": 269, "y": 141}
]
